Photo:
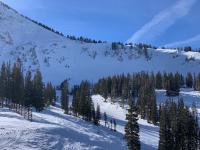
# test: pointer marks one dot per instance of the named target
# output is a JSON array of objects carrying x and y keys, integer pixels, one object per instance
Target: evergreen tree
[
  {"x": 132, "y": 128},
  {"x": 178, "y": 127},
  {"x": 105, "y": 119},
  {"x": 98, "y": 115},
  {"x": 28, "y": 90},
  {"x": 17, "y": 84},
  {"x": 159, "y": 81},
  {"x": 3, "y": 83},
  {"x": 93, "y": 114},
  {"x": 115, "y": 124},
  {"x": 163, "y": 129},
  {"x": 75, "y": 100},
  {"x": 64, "y": 97},
  {"x": 189, "y": 80},
  {"x": 38, "y": 87},
  {"x": 49, "y": 94}
]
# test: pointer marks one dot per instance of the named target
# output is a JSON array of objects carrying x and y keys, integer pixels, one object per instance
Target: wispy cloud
[
  {"x": 162, "y": 21},
  {"x": 185, "y": 42}
]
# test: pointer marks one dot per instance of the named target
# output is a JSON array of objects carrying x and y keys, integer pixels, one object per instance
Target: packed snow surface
[
  {"x": 52, "y": 129},
  {"x": 148, "y": 133}
]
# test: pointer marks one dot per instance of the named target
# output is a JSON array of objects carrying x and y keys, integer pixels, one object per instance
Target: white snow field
[
  {"x": 149, "y": 134},
  {"x": 59, "y": 58},
  {"x": 51, "y": 129},
  {"x": 189, "y": 96}
]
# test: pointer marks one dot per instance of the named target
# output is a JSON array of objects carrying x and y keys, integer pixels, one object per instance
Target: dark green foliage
[
  {"x": 17, "y": 83},
  {"x": 28, "y": 90},
  {"x": 93, "y": 114},
  {"x": 49, "y": 94},
  {"x": 159, "y": 81},
  {"x": 132, "y": 128},
  {"x": 105, "y": 119},
  {"x": 98, "y": 115},
  {"x": 114, "y": 46},
  {"x": 197, "y": 82},
  {"x": 76, "y": 100},
  {"x": 82, "y": 103},
  {"x": 189, "y": 80},
  {"x": 172, "y": 84},
  {"x": 38, "y": 87},
  {"x": 187, "y": 48},
  {"x": 64, "y": 97},
  {"x": 115, "y": 124},
  {"x": 147, "y": 103},
  {"x": 178, "y": 127}
]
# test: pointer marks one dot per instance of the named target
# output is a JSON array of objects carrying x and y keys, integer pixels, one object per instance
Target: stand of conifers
[{"x": 26, "y": 112}]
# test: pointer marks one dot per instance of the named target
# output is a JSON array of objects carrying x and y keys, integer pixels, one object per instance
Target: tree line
[
  {"x": 82, "y": 104},
  {"x": 125, "y": 85},
  {"x": 27, "y": 90},
  {"x": 179, "y": 127}
]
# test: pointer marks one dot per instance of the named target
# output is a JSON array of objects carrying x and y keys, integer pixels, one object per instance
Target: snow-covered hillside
[
  {"x": 52, "y": 129},
  {"x": 149, "y": 134},
  {"x": 60, "y": 58}
]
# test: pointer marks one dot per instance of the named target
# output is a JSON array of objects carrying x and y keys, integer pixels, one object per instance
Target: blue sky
[{"x": 159, "y": 22}]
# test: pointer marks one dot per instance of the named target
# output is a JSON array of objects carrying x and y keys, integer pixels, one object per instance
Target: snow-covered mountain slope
[
  {"x": 149, "y": 134},
  {"x": 53, "y": 130},
  {"x": 59, "y": 57}
]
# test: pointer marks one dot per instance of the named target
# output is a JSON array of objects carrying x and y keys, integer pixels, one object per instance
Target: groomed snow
[
  {"x": 149, "y": 134},
  {"x": 52, "y": 129}
]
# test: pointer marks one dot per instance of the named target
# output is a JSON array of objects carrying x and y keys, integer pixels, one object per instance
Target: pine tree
[
  {"x": 64, "y": 97},
  {"x": 153, "y": 107},
  {"x": 93, "y": 114},
  {"x": 38, "y": 88},
  {"x": 3, "y": 84},
  {"x": 105, "y": 119},
  {"x": 75, "y": 100},
  {"x": 159, "y": 81},
  {"x": 132, "y": 128},
  {"x": 178, "y": 127},
  {"x": 115, "y": 125},
  {"x": 28, "y": 90},
  {"x": 189, "y": 80},
  {"x": 49, "y": 94},
  {"x": 98, "y": 115},
  {"x": 163, "y": 130},
  {"x": 17, "y": 83}
]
